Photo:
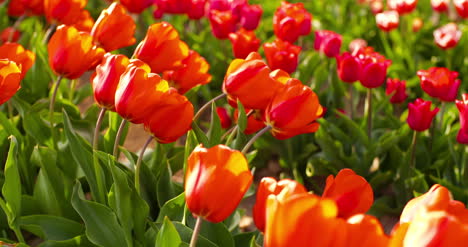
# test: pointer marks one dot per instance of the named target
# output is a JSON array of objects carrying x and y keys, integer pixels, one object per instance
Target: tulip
[
  {"x": 327, "y": 42},
  {"x": 9, "y": 34},
  {"x": 250, "y": 16},
  {"x": 440, "y": 83},
  {"x": 193, "y": 73},
  {"x": 293, "y": 111},
  {"x": 254, "y": 122},
  {"x": 16, "y": 8},
  {"x": 10, "y": 78},
  {"x": 365, "y": 231},
  {"x": 440, "y": 5},
  {"x": 301, "y": 221},
  {"x": 197, "y": 9},
  {"x": 106, "y": 79},
  {"x": 170, "y": 118},
  {"x": 71, "y": 53},
  {"x": 351, "y": 192},
  {"x": 138, "y": 92},
  {"x": 85, "y": 23},
  {"x": 356, "y": 45},
  {"x": 269, "y": 186},
  {"x": 387, "y": 20},
  {"x": 64, "y": 11},
  {"x": 173, "y": 6},
  {"x": 114, "y": 28},
  {"x": 249, "y": 81},
  {"x": 417, "y": 24},
  {"x": 348, "y": 67},
  {"x": 243, "y": 43},
  {"x": 376, "y": 6},
  {"x": 16, "y": 53},
  {"x": 224, "y": 117},
  {"x": 222, "y": 23},
  {"x": 397, "y": 90},
  {"x": 420, "y": 115},
  {"x": 136, "y": 6},
  {"x": 34, "y": 7},
  {"x": 374, "y": 68},
  {"x": 402, "y": 6},
  {"x": 291, "y": 20},
  {"x": 462, "y": 106},
  {"x": 462, "y": 8},
  {"x": 162, "y": 49},
  {"x": 282, "y": 55},
  {"x": 447, "y": 36},
  {"x": 215, "y": 175}
]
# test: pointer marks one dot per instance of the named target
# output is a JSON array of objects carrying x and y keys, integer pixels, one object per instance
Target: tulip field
[{"x": 233, "y": 123}]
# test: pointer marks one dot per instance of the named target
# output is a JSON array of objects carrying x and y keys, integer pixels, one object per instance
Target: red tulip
[
  {"x": 440, "y": 5},
  {"x": 356, "y": 45},
  {"x": 222, "y": 23},
  {"x": 327, "y": 42},
  {"x": 397, "y": 90},
  {"x": 462, "y": 106},
  {"x": 243, "y": 43},
  {"x": 162, "y": 49},
  {"x": 282, "y": 55},
  {"x": 291, "y": 20},
  {"x": 10, "y": 78},
  {"x": 136, "y": 6},
  {"x": 348, "y": 67},
  {"x": 197, "y": 9},
  {"x": 387, "y": 20},
  {"x": 64, "y": 11},
  {"x": 224, "y": 117},
  {"x": 250, "y": 16},
  {"x": 402, "y": 6},
  {"x": 374, "y": 68},
  {"x": 114, "y": 28},
  {"x": 16, "y": 53},
  {"x": 215, "y": 175},
  {"x": 106, "y": 79},
  {"x": 440, "y": 83},
  {"x": 447, "y": 36},
  {"x": 173, "y": 6},
  {"x": 254, "y": 121},
  {"x": 34, "y": 7},
  {"x": 293, "y": 111},
  {"x": 420, "y": 115},
  {"x": 351, "y": 192},
  {"x": 270, "y": 187},
  {"x": 462, "y": 8},
  {"x": 16, "y": 8},
  {"x": 8, "y": 33}
]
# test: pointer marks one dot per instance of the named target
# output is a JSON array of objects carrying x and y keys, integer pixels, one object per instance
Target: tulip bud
[
  {"x": 462, "y": 106},
  {"x": 282, "y": 55},
  {"x": 250, "y": 16},
  {"x": 348, "y": 67},
  {"x": 440, "y": 5},
  {"x": 387, "y": 20},
  {"x": 224, "y": 117},
  {"x": 291, "y": 20},
  {"x": 440, "y": 83},
  {"x": 114, "y": 28},
  {"x": 462, "y": 8},
  {"x": 10, "y": 78},
  {"x": 397, "y": 90},
  {"x": 214, "y": 175},
  {"x": 420, "y": 115},
  {"x": 136, "y": 6},
  {"x": 327, "y": 42},
  {"x": 16, "y": 53},
  {"x": 351, "y": 192},
  {"x": 162, "y": 49},
  {"x": 447, "y": 36},
  {"x": 270, "y": 187},
  {"x": 67, "y": 12},
  {"x": 222, "y": 23},
  {"x": 243, "y": 43},
  {"x": 374, "y": 68}
]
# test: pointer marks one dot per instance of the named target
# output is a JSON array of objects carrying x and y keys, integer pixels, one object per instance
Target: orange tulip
[
  {"x": 162, "y": 49},
  {"x": 10, "y": 77},
  {"x": 352, "y": 193},
  {"x": 302, "y": 220},
  {"x": 243, "y": 43},
  {"x": 249, "y": 81},
  {"x": 85, "y": 22},
  {"x": 138, "y": 92},
  {"x": 215, "y": 181},
  {"x": 16, "y": 53},
  {"x": 365, "y": 231},
  {"x": 294, "y": 110},
  {"x": 282, "y": 55},
  {"x": 64, "y": 11},
  {"x": 114, "y": 28},
  {"x": 170, "y": 118},
  {"x": 269, "y": 186},
  {"x": 71, "y": 53},
  {"x": 106, "y": 79},
  {"x": 193, "y": 73},
  {"x": 136, "y": 6}
]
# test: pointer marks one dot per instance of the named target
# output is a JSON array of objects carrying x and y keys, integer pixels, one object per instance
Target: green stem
[
  {"x": 17, "y": 231},
  {"x": 413, "y": 149},
  {"x": 465, "y": 165},
  {"x": 351, "y": 100},
  {"x": 441, "y": 117},
  {"x": 256, "y": 136},
  {"x": 72, "y": 90},
  {"x": 19, "y": 235},
  {"x": 98, "y": 127},
  {"x": 208, "y": 104},
  {"x": 138, "y": 165},
  {"x": 15, "y": 27},
  {"x": 49, "y": 33},
  {"x": 10, "y": 111},
  {"x": 97, "y": 166},
  {"x": 196, "y": 230},
  {"x": 117, "y": 138},
  {"x": 55, "y": 87},
  {"x": 368, "y": 113}
]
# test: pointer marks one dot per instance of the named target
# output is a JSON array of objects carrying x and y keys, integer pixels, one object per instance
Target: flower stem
[
  {"x": 98, "y": 127},
  {"x": 55, "y": 87},
  {"x": 196, "y": 230},
  {"x": 413, "y": 149},
  {"x": 256, "y": 136},
  {"x": 97, "y": 167},
  {"x": 465, "y": 166},
  {"x": 15, "y": 27},
  {"x": 49, "y": 33},
  {"x": 138, "y": 165},
  {"x": 117, "y": 138},
  {"x": 368, "y": 112},
  {"x": 440, "y": 124},
  {"x": 205, "y": 106}
]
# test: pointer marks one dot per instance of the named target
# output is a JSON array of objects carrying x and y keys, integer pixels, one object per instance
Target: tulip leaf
[
  {"x": 114, "y": 123},
  {"x": 185, "y": 234},
  {"x": 102, "y": 226},
  {"x": 244, "y": 239},
  {"x": 32, "y": 123},
  {"x": 217, "y": 233},
  {"x": 168, "y": 235},
  {"x": 52, "y": 227},
  {"x": 173, "y": 209},
  {"x": 79, "y": 241},
  {"x": 10, "y": 128},
  {"x": 11, "y": 189},
  {"x": 241, "y": 117},
  {"x": 201, "y": 136},
  {"x": 166, "y": 189},
  {"x": 215, "y": 130},
  {"x": 190, "y": 145}
]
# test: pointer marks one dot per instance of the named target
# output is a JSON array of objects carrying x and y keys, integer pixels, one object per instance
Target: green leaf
[
  {"x": 215, "y": 130},
  {"x": 168, "y": 235},
  {"x": 33, "y": 124},
  {"x": 79, "y": 241},
  {"x": 244, "y": 239},
  {"x": 9, "y": 127},
  {"x": 102, "y": 226},
  {"x": 185, "y": 234},
  {"x": 217, "y": 233},
  {"x": 166, "y": 189},
  {"x": 173, "y": 209},
  {"x": 241, "y": 117},
  {"x": 201, "y": 136},
  {"x": 109, "y": 138},
  {"x": 52, "y": 227},
  {"x": 11, "y": 189}
]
